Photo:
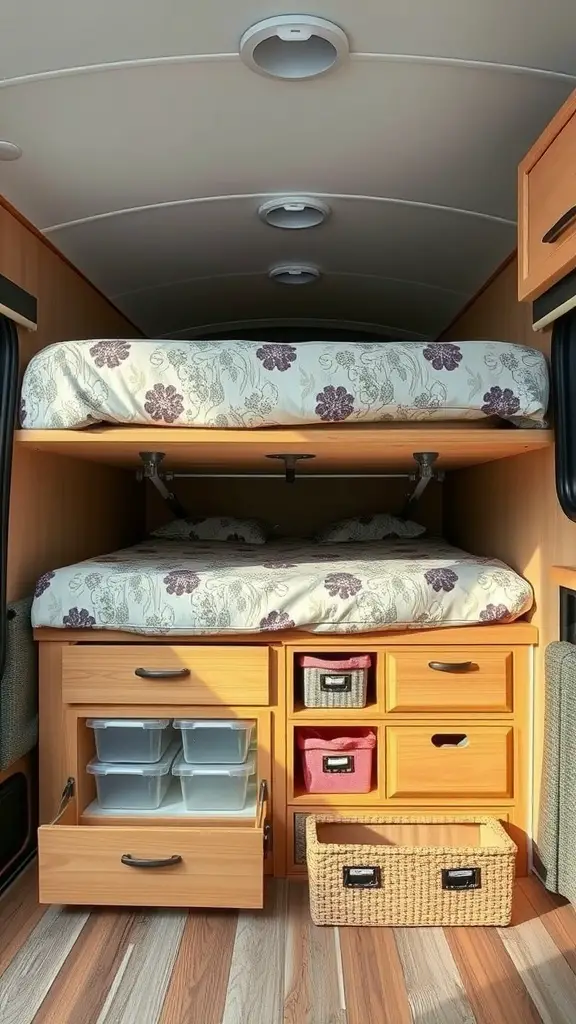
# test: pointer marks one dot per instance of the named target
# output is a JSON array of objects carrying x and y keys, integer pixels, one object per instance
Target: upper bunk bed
[{"x": 353, "y": 405}]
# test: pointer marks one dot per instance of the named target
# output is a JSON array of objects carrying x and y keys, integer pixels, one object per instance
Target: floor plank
[
  {"x": 197, "y": 990},
  {"x": 311, "y": 976},
  {"x": 139, "y": 987},
  {"x": 81, "y": 988},
  {"x": 256, "y": 984},
  {"x": 557, "y": 916},
  {"x": 543, "y": 969},
  {"x": 435, "y": 990},
  {"x": 29, "y": 976},
  {"x": 494, "y": 988},
  {"x": 20, "y": 912},
  {"x": 373, "y": 978}
]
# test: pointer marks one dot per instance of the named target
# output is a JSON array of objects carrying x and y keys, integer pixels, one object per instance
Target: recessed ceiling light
[
  {"x": 9, "y": 150},
  {"x": 294, "y": 212},
  {"x": 294, "y": 273},
  {"x": 293, "y": 46}
]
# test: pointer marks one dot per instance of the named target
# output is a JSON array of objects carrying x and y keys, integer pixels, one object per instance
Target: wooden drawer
[
  {"x": 547, "y": 206},
  {"x": 211, "y": 865},
  {"x": 449, "y": 761},
  {"x": 163, "y": 674},
  {"x": 449, "y": 679},
  {"x": 297, "y": 824}
]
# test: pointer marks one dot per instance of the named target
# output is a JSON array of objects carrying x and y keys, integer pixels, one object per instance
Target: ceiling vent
[
  {"x": 293, "y": 47},
  {"x": 9, "y": 150},
  {"x": 294, "y": 212},
  {"x": 294, "y": 273}
]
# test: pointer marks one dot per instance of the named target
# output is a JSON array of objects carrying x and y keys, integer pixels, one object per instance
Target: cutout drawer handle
[
  {"x": 449, "y": 739},
  {"x": 450, "y": 666},
  {"x": 557, "y": 229},
  {"x": 162, "y": 673},
  {"x": 137, "y": 862}
]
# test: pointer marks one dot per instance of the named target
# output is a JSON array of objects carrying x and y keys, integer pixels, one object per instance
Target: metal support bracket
[
  {"x": 424, "y": 474},
  {"x": 290, "y": 462},
  {"x": 151, "y": 471}
]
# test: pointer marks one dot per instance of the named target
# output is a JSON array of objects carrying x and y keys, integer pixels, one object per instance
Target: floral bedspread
[
  {"x": 178, "y": 588},
  {"x": 247, "y": 384}
]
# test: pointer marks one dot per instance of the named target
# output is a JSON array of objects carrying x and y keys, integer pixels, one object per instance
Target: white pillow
[
  {"x": 217, "y": 528},
  {"x": 368, "y": 528}
]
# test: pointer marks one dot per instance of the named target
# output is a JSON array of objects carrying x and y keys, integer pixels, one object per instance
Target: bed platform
[{"x": 180, "y": 588}]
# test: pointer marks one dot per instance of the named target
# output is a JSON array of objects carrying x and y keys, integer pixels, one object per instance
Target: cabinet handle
[
  {"x": 557, "y": 229},
  {"x": 162, "y": 673},
  {"x": 450, "y": 666},
  {"x": 137, "y": 862},
  {"x": 449, "y": 739}
]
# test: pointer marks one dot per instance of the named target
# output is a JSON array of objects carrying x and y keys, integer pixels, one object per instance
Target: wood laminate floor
[{"x": 108, "y": 966}]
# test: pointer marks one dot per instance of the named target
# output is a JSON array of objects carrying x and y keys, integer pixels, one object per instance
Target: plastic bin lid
[
  {"x": 181, "y": 767},
  {"x": 127, "y": 723},
  {"x": 161, "y": 767},
  {"x": 211, "y": 723}
]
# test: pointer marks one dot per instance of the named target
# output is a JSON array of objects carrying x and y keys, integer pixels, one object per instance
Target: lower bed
[{"x": 182, "y": 589}]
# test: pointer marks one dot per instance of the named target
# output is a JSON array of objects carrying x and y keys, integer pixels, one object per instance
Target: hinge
[
  {"x": 267, "y": 838},
  {"x": 67, "y": 794}
]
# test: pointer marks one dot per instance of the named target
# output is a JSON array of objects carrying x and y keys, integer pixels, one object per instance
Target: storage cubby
[
  {"x": 331, "y": 770},
  {"x": 333, "y": 680}
]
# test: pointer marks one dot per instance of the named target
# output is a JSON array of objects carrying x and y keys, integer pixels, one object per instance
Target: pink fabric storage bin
[{"x": 335, "y": 763}]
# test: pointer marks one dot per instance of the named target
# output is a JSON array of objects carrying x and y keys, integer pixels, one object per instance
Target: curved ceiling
[{"x": 148, "y": 148}]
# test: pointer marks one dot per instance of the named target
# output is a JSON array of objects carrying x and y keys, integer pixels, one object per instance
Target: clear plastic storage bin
[
  {"x": 215, "y": 741},
  {"x": 131, "y": 740},
  {"x": 214, "y": 787},
  {"x": 133, "y": 787}
]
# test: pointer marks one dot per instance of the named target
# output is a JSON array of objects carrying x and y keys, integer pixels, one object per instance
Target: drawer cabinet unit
[
  {"x": 163, "y": 674},
  {"x": 441, "y": 679},
  {"x": 547, "y": 206},
  {"x": 449, "y": 761}
]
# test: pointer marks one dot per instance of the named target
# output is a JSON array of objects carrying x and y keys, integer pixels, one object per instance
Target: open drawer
[
  {"x": 169, "y": 856},
  {"x": 185, "y": 866}
]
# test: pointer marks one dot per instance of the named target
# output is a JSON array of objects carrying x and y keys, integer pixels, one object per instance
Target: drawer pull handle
[
  {"x": 450, "y": 666},
  {"x": 557, "y": 229},
  {"x": 162, "y": 673},
  {"x": 450, "y": 739},
  {"x": 138, "y": 862}
]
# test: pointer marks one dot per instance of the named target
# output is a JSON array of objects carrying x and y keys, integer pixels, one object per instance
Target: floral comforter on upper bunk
[{"x": 247, "y": 384}]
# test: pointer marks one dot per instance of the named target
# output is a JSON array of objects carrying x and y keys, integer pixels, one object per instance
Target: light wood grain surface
[{"x": 115, "y": 966}]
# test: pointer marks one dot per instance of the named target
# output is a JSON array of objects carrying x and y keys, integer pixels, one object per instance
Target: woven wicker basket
[
  {"x": 418, "y": 883},
  {"x": 334, "y": 682}
]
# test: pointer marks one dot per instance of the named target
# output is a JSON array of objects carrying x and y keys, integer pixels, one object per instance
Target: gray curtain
[{"x": 18, "y": 687}]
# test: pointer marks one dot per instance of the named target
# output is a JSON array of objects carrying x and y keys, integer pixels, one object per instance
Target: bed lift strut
[{"x": 421, "y": 477}]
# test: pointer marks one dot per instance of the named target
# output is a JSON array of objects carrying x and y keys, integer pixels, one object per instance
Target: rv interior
[{"x": 288, "y": 512}]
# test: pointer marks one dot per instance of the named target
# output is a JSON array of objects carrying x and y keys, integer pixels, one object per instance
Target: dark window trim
[
  {"x": 563, "y": 378},
  {"x": 568, "y": 615},
  {"x": 8, "y": 404}
]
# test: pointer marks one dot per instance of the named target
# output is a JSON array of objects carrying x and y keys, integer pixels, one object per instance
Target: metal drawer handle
[
  {"x": 557, "y": 229},
  {"x": 450, "y": 666},
  {"x": 162, "y": 673},
  {"x": 449, "y": 739},
  {"x": 137, "y": 862}
]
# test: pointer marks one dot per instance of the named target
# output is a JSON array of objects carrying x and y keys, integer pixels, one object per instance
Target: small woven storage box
[
  {"x": 409, "y": 871},
  {"x": 334, "y": 762},
  {"x": 335, "y": 682}
]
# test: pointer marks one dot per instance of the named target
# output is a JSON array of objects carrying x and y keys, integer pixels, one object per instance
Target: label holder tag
[
  {"x": 362, "y": 877},
  {"x": 340, "y": 682},
  {"x": 461, "y": 879},
  {"x": 338, "y": 764}
]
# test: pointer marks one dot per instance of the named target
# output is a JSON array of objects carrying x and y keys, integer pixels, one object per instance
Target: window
[{"x": 563, "y": 405}]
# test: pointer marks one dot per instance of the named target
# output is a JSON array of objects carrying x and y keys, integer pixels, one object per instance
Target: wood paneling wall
[
  {"x": 509, "y": 508},
  {"x": 296, "y": 510},
  {"x": 62, "y": 510}
]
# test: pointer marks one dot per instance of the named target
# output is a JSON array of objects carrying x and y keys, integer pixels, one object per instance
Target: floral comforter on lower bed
[
  {"x": 180, "y": 588},
  {"x": 248, "y": 384}
]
